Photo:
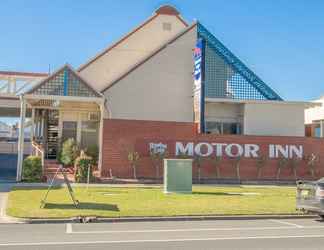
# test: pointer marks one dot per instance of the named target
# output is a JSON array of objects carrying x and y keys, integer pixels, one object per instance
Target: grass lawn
[{"x": 151, "y": 201}]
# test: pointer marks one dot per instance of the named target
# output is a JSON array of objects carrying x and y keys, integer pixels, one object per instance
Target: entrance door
[
  {"x": 52, "y": 134},
  {"x": 69, "y": 130}
]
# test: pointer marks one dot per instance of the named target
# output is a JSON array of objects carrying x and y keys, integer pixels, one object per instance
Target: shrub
[
  {"x": 32, "y": 169},
  {"x": 69, "y": 152},
  {"x": 93, "y": 152},
  {"x": 82, "y": 163}
]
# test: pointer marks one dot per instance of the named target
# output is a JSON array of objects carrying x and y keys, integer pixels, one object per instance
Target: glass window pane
[
  {"x": 214, "y": 127},
  {"x": 317, "y": 131},
  {"x": 89, "y": 134}
]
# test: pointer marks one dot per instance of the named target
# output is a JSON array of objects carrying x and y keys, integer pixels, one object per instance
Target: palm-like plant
[
  {"x": 216, "y": 163},
  {"x": 281, "y": 164},
  {"x": 311, "y": 162},
  {"x": 198, "y": 160},
  {"x": 156, "y": 158},
  {"x": 294, "y": 164},
  {"x": 133, "y": 158},
  {"x": 236, "y": 165},
  {"x": 260, "y": 163}
]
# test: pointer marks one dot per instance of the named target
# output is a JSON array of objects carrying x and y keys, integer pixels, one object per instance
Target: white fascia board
[
  {"x": 228, "y": 100},
  {"x": 64, "y": 98}
]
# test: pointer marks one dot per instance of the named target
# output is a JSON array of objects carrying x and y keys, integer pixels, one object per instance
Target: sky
[{"x": 281, "y": 41}]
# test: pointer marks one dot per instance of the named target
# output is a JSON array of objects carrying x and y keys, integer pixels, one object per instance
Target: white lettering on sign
[
  {"x": 234, "y": 150},
  {"x": 184, "y": 150},
  {"x": 206, "y": 149},
  {"x": 251, "y": 150},
  {"x": 285, "y": 151},
  {"x": 199, "y": 149}
]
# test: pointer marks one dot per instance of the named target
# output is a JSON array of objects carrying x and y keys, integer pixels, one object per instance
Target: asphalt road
[{"x": 221, "y": 234}]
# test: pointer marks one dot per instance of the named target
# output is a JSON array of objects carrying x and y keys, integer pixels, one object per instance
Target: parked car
[{"x": 310, "y": 197}]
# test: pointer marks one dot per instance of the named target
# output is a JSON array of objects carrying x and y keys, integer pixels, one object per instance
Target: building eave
[{"x": 238, "y": 101}]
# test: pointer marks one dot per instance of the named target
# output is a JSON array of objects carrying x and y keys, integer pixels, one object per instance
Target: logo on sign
[
  {"x": 197, "y": 57},
  {"x": 159, "y": 148}
]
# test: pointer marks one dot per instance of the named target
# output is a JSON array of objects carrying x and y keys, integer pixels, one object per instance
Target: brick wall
[{"x": 120, "y": 136}]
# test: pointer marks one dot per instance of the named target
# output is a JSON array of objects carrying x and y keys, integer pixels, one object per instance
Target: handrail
[{"x": 38, "y": 150}]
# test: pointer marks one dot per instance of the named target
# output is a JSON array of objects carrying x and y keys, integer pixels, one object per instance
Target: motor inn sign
[{"x": 210, "y": 149}]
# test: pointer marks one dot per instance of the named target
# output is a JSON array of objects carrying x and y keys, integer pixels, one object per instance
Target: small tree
[
  {"x": 93, "y": 152},
  {"x": 236, "y": 165},
  {"x": 69, "y": 152},
  {"x": 133, "y": 158},
  {"x": 260, "y": 163},
  {"x": 281, "y": 164},
  {"x": 311, "y": 162},
  {"x": 198, "y": 160},
  {"x": 216, "y": 163},
  {"x": 294, "y": 164},
  {"x": 83, "y": 165},
  {"x": 157, "y": 158}
]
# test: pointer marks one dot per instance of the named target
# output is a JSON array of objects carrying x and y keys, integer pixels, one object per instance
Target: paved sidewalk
[{"x": 4, "y": 190}]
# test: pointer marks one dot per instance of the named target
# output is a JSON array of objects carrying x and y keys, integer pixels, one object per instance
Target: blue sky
[{"x": 282, "y": 41}]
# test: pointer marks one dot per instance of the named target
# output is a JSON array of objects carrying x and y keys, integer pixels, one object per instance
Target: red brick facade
[{"x": 120, "y": 136}]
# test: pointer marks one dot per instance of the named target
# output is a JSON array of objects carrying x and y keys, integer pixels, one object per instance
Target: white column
[
  {"x": 79, "y": 127},
  {"x": 20, "y": 155},
  {"x": 102, "y": 110},
  {"x": 32, "y": 129},
  {"x": 321, "y": 129}
]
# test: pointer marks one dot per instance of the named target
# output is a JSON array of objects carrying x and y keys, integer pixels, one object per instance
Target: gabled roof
[
  {"x": 59, "y": 83},
  {"x": 144, "y": 60},
  {"x": 163, "y": 10}
]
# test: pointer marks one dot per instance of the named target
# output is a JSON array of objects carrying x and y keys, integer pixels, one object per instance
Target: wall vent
[{"x": 167, "y": 26}]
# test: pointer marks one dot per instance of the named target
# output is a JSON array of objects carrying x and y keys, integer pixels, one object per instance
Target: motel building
[{"x": 169, "y": 85}]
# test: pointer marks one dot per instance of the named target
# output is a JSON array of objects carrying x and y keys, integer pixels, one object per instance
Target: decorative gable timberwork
[{"x": 64, "y": 82}]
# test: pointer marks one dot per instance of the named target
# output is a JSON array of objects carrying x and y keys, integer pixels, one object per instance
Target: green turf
[{"x": 151, "y": 201}]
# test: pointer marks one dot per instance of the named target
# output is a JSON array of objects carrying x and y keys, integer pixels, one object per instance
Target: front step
[{"x": 51, "y": 167}]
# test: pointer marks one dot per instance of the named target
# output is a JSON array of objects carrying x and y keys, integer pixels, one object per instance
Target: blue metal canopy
[{"x": 226, "y": 76}]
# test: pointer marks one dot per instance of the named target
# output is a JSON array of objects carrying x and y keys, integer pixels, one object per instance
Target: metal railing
[{"x": 38, "y": 150}]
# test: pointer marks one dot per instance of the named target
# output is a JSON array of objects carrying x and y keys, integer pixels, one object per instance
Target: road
[{"x": 218, "y": 234}]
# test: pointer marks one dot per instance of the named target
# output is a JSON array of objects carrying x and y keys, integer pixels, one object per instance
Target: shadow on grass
[
  {"x": 216, "y": 193},
  {"x": 83, "y": 205}
]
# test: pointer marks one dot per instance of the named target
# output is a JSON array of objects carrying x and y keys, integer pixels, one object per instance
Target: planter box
[{"x": 177, "y": 175}]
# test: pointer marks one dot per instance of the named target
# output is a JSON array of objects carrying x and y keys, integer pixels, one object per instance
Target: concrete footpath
[{"x": 4, "y": 191}]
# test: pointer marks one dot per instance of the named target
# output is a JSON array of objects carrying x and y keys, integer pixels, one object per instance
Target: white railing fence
[{"x": 38, "y": 150}]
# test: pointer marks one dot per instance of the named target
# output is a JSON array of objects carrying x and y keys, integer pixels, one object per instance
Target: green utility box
[{"x": 177, "y": 175}]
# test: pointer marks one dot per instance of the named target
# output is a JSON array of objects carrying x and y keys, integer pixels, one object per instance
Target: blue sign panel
[{"x": 199, "y": 90}]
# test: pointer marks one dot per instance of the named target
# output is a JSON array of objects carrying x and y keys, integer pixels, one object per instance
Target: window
[
  {"x": 69, "y": 130},
  {"x": 89, "y": 134},
  {"x": 214, "y": 128},
  {"x": 318, "y": 131},
  {"x": 225, "y": 128}
]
